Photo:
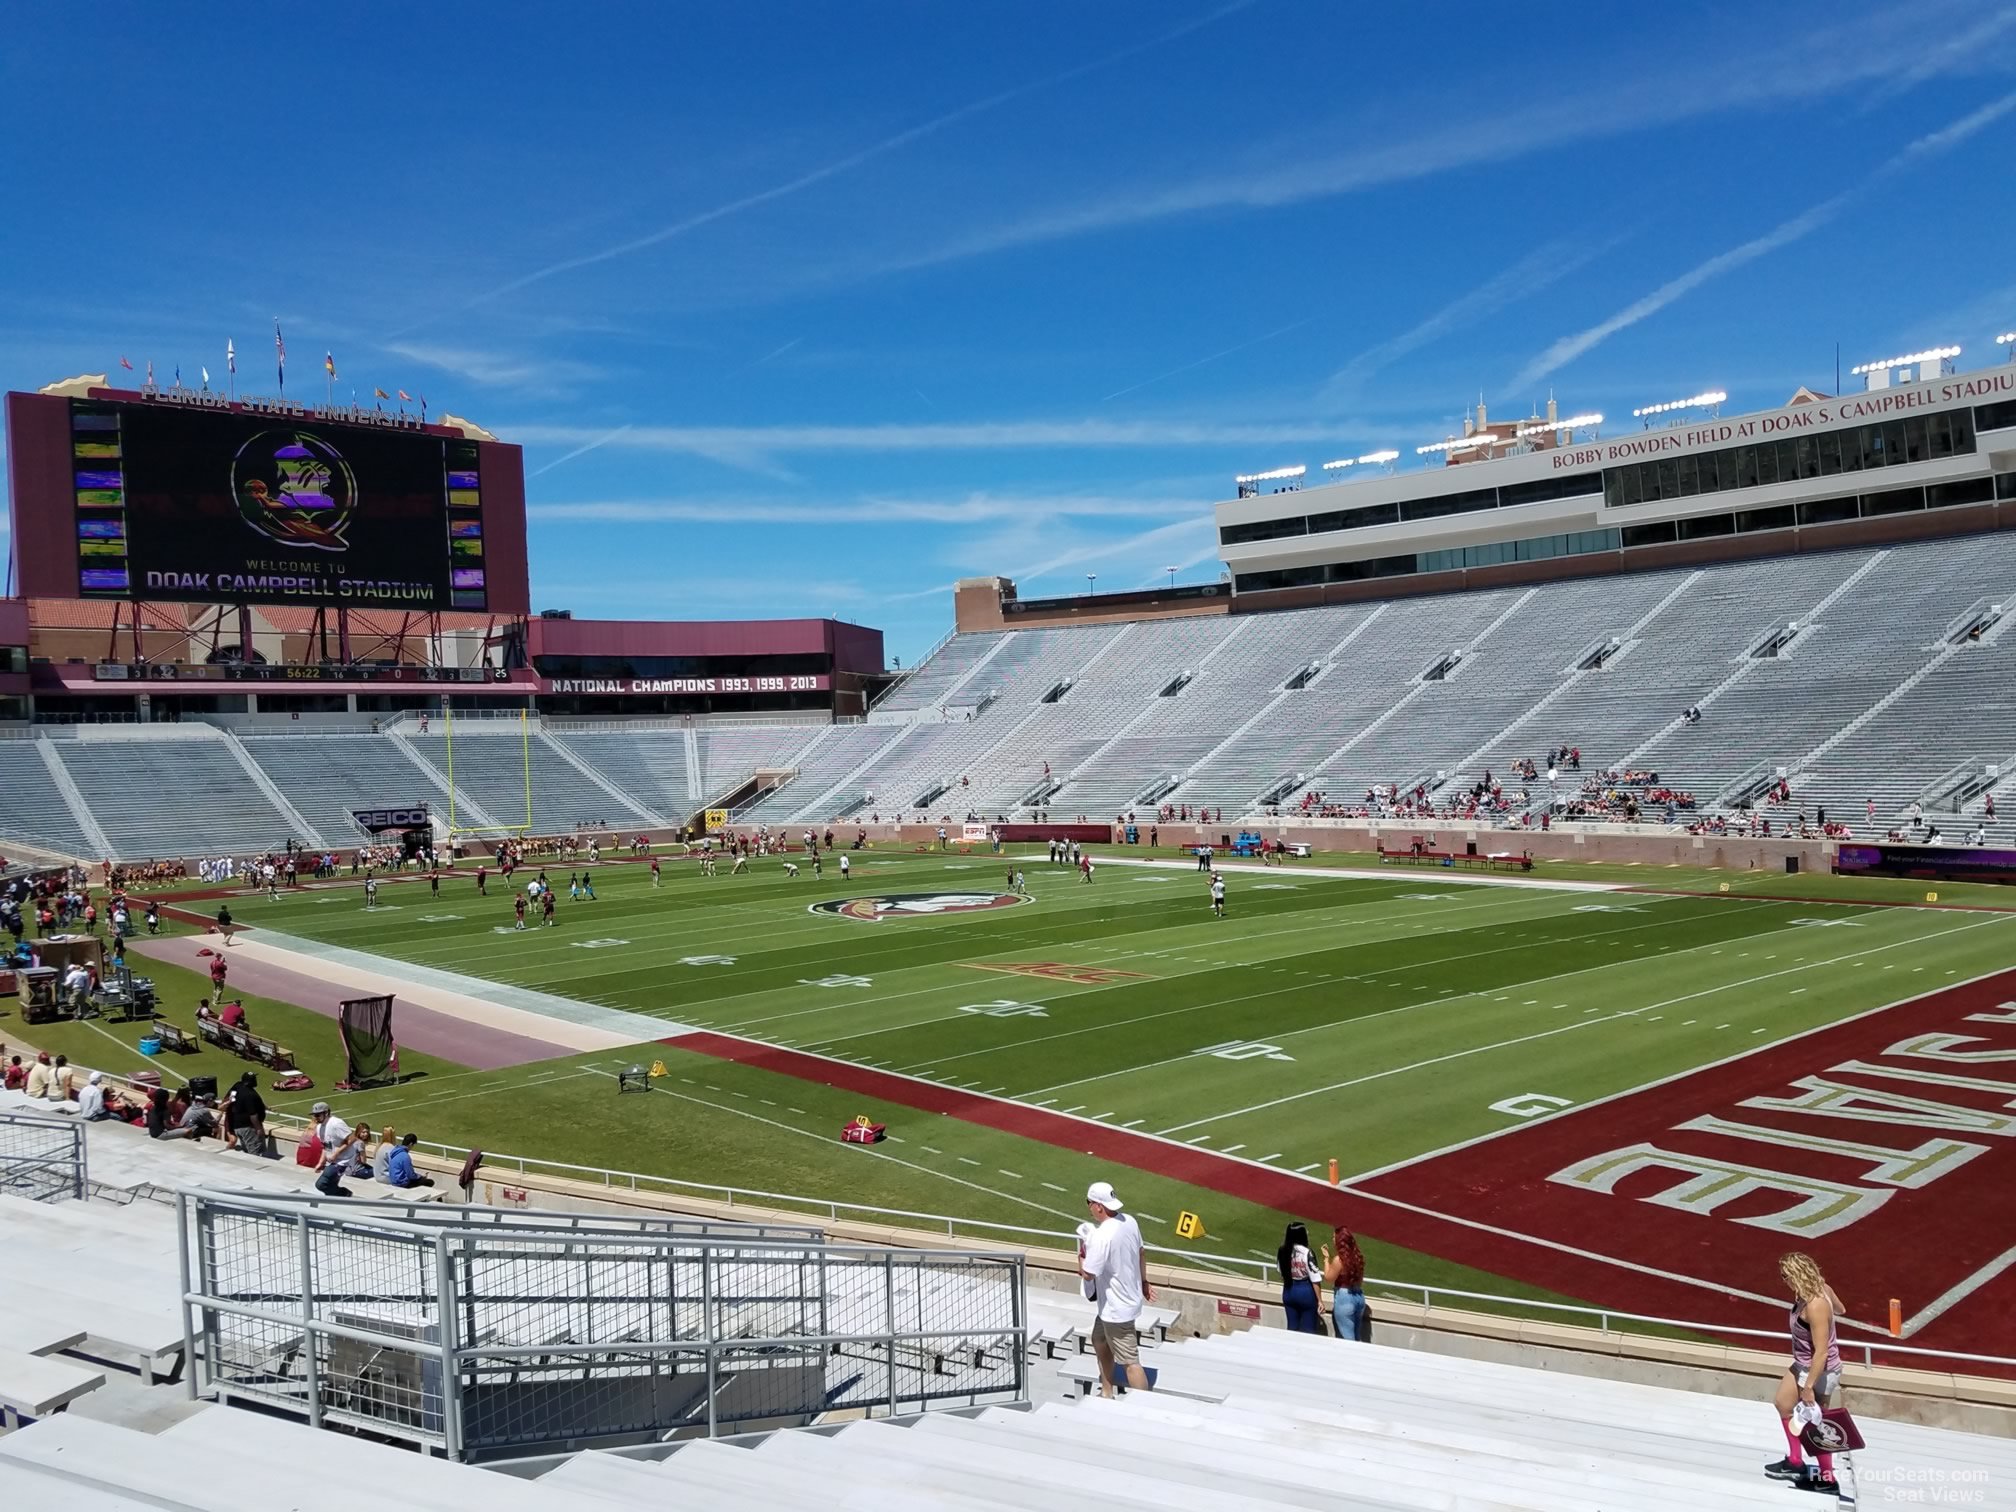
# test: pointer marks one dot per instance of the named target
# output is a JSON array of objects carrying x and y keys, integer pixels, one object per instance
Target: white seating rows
[
  {"x": 1871, "y": 699},
  {"x": 31, "y": 809},
  {"x": 174, "y": 796},
  {"x": 491, "y": 766},
  {"x": 1257, "y": 1420},
  {"x": 326, "y": 777}
]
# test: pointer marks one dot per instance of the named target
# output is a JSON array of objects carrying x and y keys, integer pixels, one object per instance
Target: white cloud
[
  {"x": 1867, "y": 51},
  {"x": 984, "y": 435},
  {"x": 495, "y": 369},
  {"x": 1528, "y": 276},
  {"x": 853, "y": 160},
  {"x": 1568, "y": 348},
  {"x": 969, "y": 509}
]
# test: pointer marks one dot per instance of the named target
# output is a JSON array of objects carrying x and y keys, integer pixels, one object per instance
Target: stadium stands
[
  {"x": 31, "y": 807},
  {"x": 1262, "y": 1419},
  {"x": 180, "y": 794},
  {"x": 1859, "y": 674}
]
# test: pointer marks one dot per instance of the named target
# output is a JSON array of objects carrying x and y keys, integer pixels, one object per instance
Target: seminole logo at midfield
[
  {"x": 293, "y": 487},
  {"x": 914, "y": 905}
]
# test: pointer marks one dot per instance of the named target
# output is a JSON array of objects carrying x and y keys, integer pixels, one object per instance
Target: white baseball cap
[{"x": 1102, "y": 1193}]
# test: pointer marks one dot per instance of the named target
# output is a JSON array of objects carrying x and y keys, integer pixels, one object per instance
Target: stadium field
[{"x": 1504, "y": 1070}]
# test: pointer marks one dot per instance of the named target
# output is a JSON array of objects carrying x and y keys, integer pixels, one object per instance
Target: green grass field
[{"x": 1368, "y": 1021}]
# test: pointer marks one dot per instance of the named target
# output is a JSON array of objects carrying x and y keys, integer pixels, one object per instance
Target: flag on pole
[
  {"x": 178, "y": 375},
  {"x": 125, "y": 364},
  {"x": 404, "y": 397},
  {"x": 280, "y": 354},
  {"x": 206, "y": 377},
  {"x": 150, "y": 372},
  {"x": 329, "y": 363},
  {"x": 230, "y": 356},
  {"x": 381, "y": 393}
]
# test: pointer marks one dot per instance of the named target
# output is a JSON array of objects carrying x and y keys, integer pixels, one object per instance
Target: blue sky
[{"x": 812, "y": 309}]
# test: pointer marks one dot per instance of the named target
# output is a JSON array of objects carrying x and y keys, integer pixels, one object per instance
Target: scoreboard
[{"x": 198, "y": 500}]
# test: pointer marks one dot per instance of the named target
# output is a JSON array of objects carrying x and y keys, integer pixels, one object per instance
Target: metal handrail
[{"x": 1261, "y": 1270}]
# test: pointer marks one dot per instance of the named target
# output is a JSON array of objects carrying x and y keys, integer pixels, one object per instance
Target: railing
[
  {"x": 515, "y": 1337},
  {"x": 1060, "y": 1239},
  {"x": 42, "y": 1157}
]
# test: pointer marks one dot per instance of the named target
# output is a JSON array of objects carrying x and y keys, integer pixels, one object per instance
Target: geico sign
[{"x": 392, "y": 818}]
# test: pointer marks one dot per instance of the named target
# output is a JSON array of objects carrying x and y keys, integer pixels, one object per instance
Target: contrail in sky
[
  {"x": 582, "y": 451},
  {"x": 852, "y": 160},
  {"x": 1568, "y": 348}
]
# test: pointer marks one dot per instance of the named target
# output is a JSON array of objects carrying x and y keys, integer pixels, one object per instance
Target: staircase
[
  {"x": 657, "y": 820},
  {"x": 462, "y": 807},
  {"x": 73, "y": 796},
  {"x": 274, "y": 794}
]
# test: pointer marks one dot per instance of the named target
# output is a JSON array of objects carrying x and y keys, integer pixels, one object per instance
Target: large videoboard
[{"x": 223, "y": 506}]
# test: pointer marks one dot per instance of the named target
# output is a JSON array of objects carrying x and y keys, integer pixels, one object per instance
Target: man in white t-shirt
[{"x": 1115, "y": 1266}]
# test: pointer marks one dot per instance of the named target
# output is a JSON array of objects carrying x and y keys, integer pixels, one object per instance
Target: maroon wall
[
  {"x": 13, "y": 622},
  {"x": 507, "y": 575},
  {"x": 798, "y": 637},
  {"x": 856, "y": 648},
  {"x": 41, "y": 495}
]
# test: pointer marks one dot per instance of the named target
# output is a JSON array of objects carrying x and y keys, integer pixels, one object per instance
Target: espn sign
[{"x": 415, "y": 817}]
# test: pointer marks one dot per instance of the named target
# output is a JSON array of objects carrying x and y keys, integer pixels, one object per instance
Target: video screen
[{"x": 227, "y": 507}]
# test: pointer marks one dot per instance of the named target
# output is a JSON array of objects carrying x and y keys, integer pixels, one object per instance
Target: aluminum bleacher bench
[{"x": 33, "y": 1387}]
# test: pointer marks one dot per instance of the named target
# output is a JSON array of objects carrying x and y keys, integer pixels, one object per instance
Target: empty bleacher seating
[
  {"x": 31, "y": 808},
  {"x": 1855, "y": 674}
]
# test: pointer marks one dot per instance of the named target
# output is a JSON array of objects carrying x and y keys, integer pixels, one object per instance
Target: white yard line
[
  {"x": 1727, "y": 1060},
  {"x": 1454, "y": 997},
  {"x": 1440, "y": 876},
  {"x": 1569, "y": 1028}
]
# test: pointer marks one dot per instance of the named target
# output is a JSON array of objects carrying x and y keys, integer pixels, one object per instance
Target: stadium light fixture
[
  {"x": 1090, "y": 579},
  {"x": 1340, "y": 462},
  {"x": 1541, "y": 427},
  {"x": 1696, "y": 401},
  {"x": 1461, "y": 443},
  {"x": 1269, "y": 477},
  {"x": 2008, "y": 339},
  {"x": 1377, "y": 457},
  {"x": 1172, "y": 575},
  {"x": 1930, "y": 354}
]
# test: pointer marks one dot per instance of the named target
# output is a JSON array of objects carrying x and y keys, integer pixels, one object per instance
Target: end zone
[{"x": 1884, "y": 1145}]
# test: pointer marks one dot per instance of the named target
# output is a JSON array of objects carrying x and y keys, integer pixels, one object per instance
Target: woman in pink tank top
[{"x": 1815, "y": 1336}]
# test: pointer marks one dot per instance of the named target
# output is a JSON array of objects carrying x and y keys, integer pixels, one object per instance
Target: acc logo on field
[
  {"x": 914, "y": 905},
  {"x": 293, "y": 487}
]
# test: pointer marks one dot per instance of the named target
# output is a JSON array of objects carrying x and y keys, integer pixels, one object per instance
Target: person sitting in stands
[
  {"x": 158, "y": 1122},
  {"x": 91, "y": 1100},
  {"x": 197, "y": 1118},
  {"x": 399, "y": 1170},
  {"x": 231, "y": 1015},
  {"x": 17, "y": 1075}
]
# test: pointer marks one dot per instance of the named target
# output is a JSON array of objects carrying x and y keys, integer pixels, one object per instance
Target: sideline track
[{"x": 458, "y": 1017}]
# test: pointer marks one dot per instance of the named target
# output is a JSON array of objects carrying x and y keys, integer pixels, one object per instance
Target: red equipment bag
[{"x": 864, "y": 1130}]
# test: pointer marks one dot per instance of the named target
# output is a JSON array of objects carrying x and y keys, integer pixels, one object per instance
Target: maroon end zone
[
  {"x": 1885, "y": 1151},
  {"x": 1885, "y": 1146}
]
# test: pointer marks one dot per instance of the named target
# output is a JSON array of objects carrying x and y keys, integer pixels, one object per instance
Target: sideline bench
[
  {"x": 256, "y": 1047},
  {"x": 181, "y": 1041},
  {"x": 1493, "y": 860}
]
